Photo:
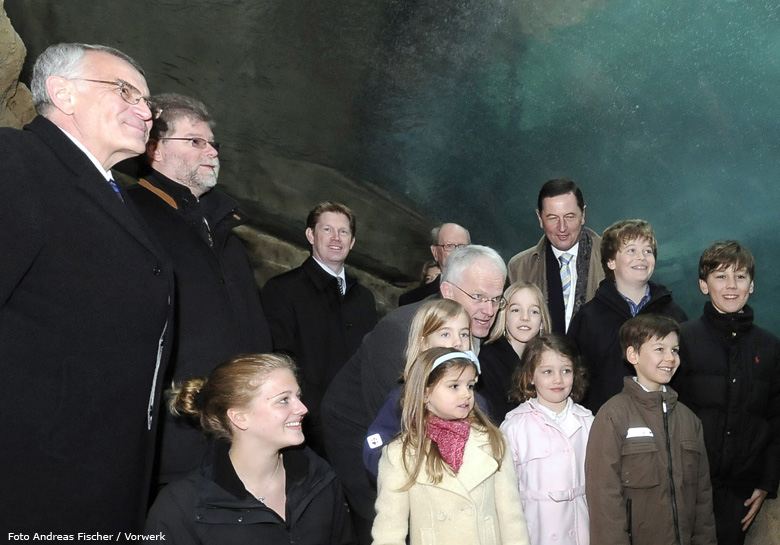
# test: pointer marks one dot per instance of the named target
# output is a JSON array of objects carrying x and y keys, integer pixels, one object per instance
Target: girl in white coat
[
  {"x": 448, "y": 478},
  {"x": 548, "y": 436}
]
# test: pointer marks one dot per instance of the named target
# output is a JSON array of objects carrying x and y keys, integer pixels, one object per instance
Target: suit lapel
[{"x": 86, "y": 178}]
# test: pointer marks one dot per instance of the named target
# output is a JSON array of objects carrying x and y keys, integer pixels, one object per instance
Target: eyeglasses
[
  {"x": 196, "y": 142},
  {"x": 497, "y": 301},
  {"x": 450, "y": 247},
  {"x": 129, "y": 94}
]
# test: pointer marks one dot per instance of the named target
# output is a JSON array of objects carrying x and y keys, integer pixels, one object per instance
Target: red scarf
[{"x": 450, "y": 436}]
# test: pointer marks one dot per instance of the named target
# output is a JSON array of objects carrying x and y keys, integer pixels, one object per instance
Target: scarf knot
[{"x": 450, "y": 436}]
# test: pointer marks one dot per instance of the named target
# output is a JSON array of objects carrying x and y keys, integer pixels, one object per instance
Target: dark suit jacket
[
  {"x": 84, "y": 301},
  {"x": 311, "y": 322},
  {"x": 420, "y": 292},
  {"x": 218, "y": 312}
]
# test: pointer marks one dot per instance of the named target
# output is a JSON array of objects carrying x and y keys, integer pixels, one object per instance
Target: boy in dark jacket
[
  {"x": 628, "y": 254},
  {"x": 646, "y": 473},
  {"x": 730, "y": 377}
]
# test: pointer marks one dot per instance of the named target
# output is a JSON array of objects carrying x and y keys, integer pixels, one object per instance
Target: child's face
[
  {"x": 452, "y": 398},
  {"x": 453, "y": 334},
  {"x": 634, "y": 262},
  {"x": 728, "y": 288},
  {"x": 553, "y": 379},
  {"x": 656, "y": 361},
  {"x": 523, "y": 316}
]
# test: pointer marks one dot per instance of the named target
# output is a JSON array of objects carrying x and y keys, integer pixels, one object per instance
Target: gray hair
[
  {"x": 463, "y": 258},
  {"x": 174, "y": 107},
  {"x": 67, "y": 61},
  {"x": 436, "y": 230}
]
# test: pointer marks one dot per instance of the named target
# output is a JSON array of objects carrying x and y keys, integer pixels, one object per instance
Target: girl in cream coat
[{"x": 463, "y": 490}]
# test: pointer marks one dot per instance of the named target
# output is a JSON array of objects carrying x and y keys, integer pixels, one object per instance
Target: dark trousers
[{"x": 728, "y": 504}]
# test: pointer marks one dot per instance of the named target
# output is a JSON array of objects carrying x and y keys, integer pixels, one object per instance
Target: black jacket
[
  {"x": 498, "y": 361},
  {"x": 420, "y": 292},
  {"x": 730, "y": 377},
  {"x": 319, "y": 328},
  {"x": 218, "y": 311},
  {"x": 84, "y": 300},
  {"x": 212, "y": 506},
  {"x": 595, "y": 330}
]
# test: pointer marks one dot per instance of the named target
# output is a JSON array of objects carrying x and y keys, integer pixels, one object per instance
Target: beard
[{"x": 196, "y": 178}]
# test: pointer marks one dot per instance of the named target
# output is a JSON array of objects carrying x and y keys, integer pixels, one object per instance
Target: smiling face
[
  {"x": 331, "y": 240},
  {"x": 95, "y": 113},
  {"x": 656, "y": 361},
  {"x": 523, "y": 316},
  {"x": 553, "y": 380},
  {"x": 562, "y": 220},
  {"x": 633, "y": 264},
  {"x": 480, "y": 278},
  {"x": 275, "y": 414},
  {"x": 182, "y": 162},
  {"x": 728, "y": 289},
  {"x": 452, "y": 397},
  {"x": 453, "y": 334}
]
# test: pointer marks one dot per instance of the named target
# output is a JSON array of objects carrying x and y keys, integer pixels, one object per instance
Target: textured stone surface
[
  {"x": 766, "y": 528},
  {"x": 16, "y": 107}
]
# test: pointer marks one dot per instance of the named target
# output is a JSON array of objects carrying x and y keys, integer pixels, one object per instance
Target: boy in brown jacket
[{"x": 646, "y": 473}]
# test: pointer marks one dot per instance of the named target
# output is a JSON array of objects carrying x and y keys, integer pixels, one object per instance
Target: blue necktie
[
  {"x": 115, "y": 188},
  {"x": 565, "y": 259}
]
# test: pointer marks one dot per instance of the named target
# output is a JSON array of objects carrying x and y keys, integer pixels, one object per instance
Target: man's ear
[
  {"x": 154, "y": 150},
  {"x": 539, "y": 215},
  {"x": 583, "y": 215},
  {"x": 237, "y": 418},
  {"x": 310, "y": 235},
  {"x": 61, "y": 93},
  {"x": 446, "y": 290}
]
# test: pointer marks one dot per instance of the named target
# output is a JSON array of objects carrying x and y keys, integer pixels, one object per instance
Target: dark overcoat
[{"x": 85, "y": 297}]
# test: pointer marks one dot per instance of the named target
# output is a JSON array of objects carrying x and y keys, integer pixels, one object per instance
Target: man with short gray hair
[
  {"x": 84, "y": 303},
  {"x": 474, "y": 276},
  {"x": 445, "y": 238}
]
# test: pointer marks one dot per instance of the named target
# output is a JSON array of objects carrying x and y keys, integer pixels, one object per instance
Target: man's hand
[{"x": 754, "y": 502}]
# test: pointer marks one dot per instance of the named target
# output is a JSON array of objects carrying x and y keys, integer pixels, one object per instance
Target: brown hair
[
  {"x": 644, "y": 327},
  {"x": 620, "y": 233},
  {"x": 417, "y": 450},
  {"x": 723, "y": 254},
  {"x": 523, "y": 388},
  {"x": 328, "y": 206},
  {"x": 232, "y": 384},
  {"x": 499, "y": 327}
]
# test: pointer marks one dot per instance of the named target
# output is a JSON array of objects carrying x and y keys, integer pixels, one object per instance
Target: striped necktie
[
  {"x": 565, "y": 259},
  {"x": 341, "y": 284},
  {"x": 115, "y": 188}
]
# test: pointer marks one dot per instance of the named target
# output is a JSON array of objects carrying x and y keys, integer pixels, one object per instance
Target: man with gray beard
[{"x": 217, "y": 303}]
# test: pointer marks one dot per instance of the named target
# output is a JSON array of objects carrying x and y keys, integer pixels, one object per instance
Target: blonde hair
[
  {"x": 429, "y": 318},
  {"x": 232, "y": 384},
  {"x": 417, "y": 450},
  {"x": 499, "y": 327}
]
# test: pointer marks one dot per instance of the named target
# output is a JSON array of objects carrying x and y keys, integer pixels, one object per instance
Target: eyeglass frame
[
  {"x": 450, "y": 247},
  {"x": 499, "y": 300},
  {"x": 123, "y": 86},
  {"x": 194, "y": 140}
]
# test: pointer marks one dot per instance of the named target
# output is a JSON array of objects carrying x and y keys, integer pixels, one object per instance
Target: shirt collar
[
  {"x": 573, "y": 251},
  {"x": 328, "y": 270}
]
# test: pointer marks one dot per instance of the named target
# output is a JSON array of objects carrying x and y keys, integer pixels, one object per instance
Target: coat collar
[
  {"x": 569, "y": 425},
  {"x": 321, "y": 279},
  {"x": 478, "y": 466},
  {"x": 86, "y": 178}
]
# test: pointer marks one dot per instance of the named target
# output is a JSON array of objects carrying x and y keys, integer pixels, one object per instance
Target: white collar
[
  {"x": 573, "y": 251},
  {"x": 341, "y": 274}
]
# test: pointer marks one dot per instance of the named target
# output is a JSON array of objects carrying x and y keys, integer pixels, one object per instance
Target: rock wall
[{"x": 16, "y": 107}]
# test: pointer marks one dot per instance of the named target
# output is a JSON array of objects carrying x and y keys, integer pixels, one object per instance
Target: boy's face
[
  {"x": 656, "y": 361},
  {"x": 728, "y": 288},
  {"x": 634, "y": 263}
]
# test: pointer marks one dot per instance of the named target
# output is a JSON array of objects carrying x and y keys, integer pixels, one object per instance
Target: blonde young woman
[
  {"x": 257, "y": 485},
  {"x": 522, "y": 319}
]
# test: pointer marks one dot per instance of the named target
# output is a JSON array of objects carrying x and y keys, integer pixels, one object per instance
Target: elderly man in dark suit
[
  {"x": 474, "y": 276},
  {"x": 84, "y": 303},
  {"x": 318, "y": 312}
]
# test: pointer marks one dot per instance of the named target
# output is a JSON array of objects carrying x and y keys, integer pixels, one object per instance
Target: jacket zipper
[
  {"x": 671, "y": 477},
  {"x": 628, "y": 518}
]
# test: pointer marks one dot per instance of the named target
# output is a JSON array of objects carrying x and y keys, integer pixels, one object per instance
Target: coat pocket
[
  {"x": 640, "y": 464},
  {"x": 690, "y": 454}
]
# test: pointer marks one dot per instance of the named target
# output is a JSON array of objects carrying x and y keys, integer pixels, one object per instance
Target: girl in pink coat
[{"x": 547, "y": 436}]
